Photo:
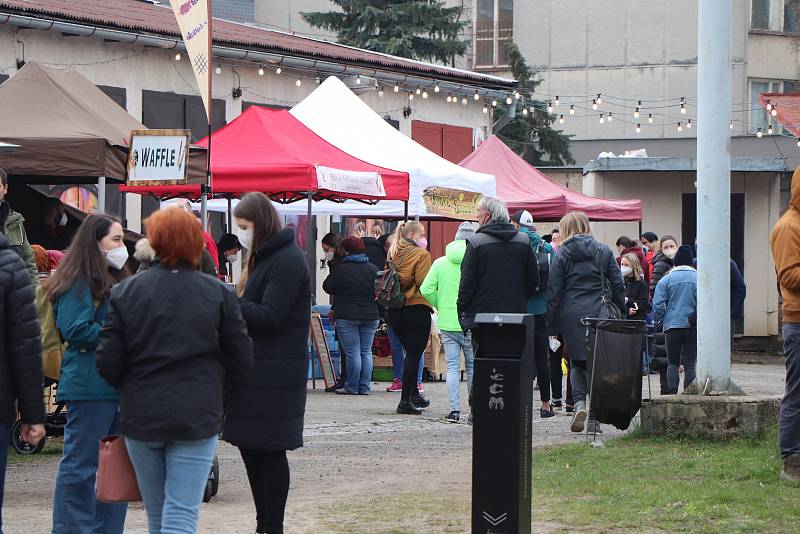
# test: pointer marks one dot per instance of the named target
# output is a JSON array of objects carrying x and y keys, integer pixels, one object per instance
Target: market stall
[{"x": 524, "y": 187}]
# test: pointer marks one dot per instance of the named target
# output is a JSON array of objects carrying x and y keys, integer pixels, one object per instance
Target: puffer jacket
[
  {"x": 20, "y": 348},
  {"x": 675, "y": 302},
  {"x": 661, "y": 266},
  {"x": 413, "y": 264},
  {"x": 13, "y": 228},
  {"x": 440, "y": 287},
  {"x": 353, "y": 286}
]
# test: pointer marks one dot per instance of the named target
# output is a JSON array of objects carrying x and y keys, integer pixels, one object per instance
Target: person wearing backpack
[
  {"x": 440, "y": 288},
  {"x": 537, "y": 306},
  {"x": 397, "y": 288}
]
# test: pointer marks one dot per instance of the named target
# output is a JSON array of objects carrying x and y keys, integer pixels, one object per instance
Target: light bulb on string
[
  {"x": 599, "y": 99},
  {"x": 636, "y": 113},
  {"x": 610, "y": 117},
  {"x": 517, "y": 96},
  {"x": 594, "y": 104},
  {"x": 380, "y": 91},
  {"x": 260, "y": 71},
  {"x": 533, "y": 110},
  {"x": 525, "y": 111},
  {"x": 680, "y": 127},
  {"x": 759, "y": 134},
  {"x": 436, "y": 88},
  {"x": 602, "y": 119},
  {"x": 476, "y": 96},
  {"x": 278, "y": 70},
  {"x": 485, "y": 109},
  {"x": 638, "y": 128},
  {"x": 689, "y": 124},
  {"x": 769, "y": 105},
  {"x": 572, "y": 109},
  {"x": 318, "y": 80},
  {"x": 769, "y": 130},
  {"x": 299, "y": 82},
  {"x": 509, "y": 101},
  {"x": 449, "y": 99},
  {"x": 464, "y": 101},
  {"x": 683, "y": 109},
  {"x": 774, "y": 111},
  {"x": 396, "y": 88},
  {"x": 683, "y": 104},
  {"x": 424, "y": 94},
  {"x": 557, "y": 101},
  {"x": 419, "y": 91},
  {"x": 731, "y": 125},
  {"x": 561, "y": 119},
  {"x": 178, "y": 56},
  {"x": 358, "y": 80},
  {"x": 650, "y": 118},
  {"x": 494, "y": 103},
  {"x": 411, "y": 96},
  {"x": 549, "y": 107},
  {"x": 218, "y": 70},
  {"x": 798, "y": 142}
]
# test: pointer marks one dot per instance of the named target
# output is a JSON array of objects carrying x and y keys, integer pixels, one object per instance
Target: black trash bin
[{"x": 502, "y": 412}]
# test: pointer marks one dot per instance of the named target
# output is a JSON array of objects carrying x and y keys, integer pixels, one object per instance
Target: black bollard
[{"x": 502, "y": 424}]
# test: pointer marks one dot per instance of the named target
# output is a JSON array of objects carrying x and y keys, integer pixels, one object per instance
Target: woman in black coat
[
  {"x": 574, "y": 290},
  {"x": 637, "y": 298},
  {"x": 662, "y": 264},
  {"x": 264, "y": 418}
]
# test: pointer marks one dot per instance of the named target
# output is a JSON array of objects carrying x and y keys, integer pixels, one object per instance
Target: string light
[
  {"x": 571, "y": 109},
  {"x": 533, "y": 110},
  {"x": 396, "y": 88},
  {"x": 278, "y": 70},
  {"x": 424, "y": 94},
  {"x": 759, "y": 134},
  {"x": 380, "y": 91},
  {"x": 525, "y": 111},
  {"x": 358, "y": 80},
  {"x": 638, "y": 128},
  {"x": 557, "y": 101},
  {"x": 683, "y": 109},
  {"x": 178, "y": 56},
  {"x": 798, "y": 142},
  {"x": 485, "y": 109},
  {"x": 517, "y": 95},
  {"x": 318, "y": 80},
  {"x": 636, "y": 113},
  {"x": 549, "y": 107},
  {"x": 419, "y": 91},
  {"x": 610, "y": 117},
  {"x": 594, "y": 104},
  {"x": 602, "y": 119},
  {"x": 689, "y": 124},
  {"x": 650, "y": 118},
  {"x": 774, "y": 111},
  {"x": 411, "y": 96},
  {"x": 476, "y": 96},
  {"x": 436, "y": 88},
  {"x": 494, "y": 103},
  {"x": 731, "y": 125},
  {"x": 561, "y": 119},
  {"x": 299, "y": 82},
  {"x": 599, "y": 99},
  {"x": 464, "y": 101},
  {"x": 218, "y": 70},
  {"x": 769, "y": 105},
  {"x": 449, "y": 99},
  {"x": 509, "y": 101},
  {"x": 260, "y": 71},
  {"x": 680, "y": 127},
  {"x": 769, "y": 130}
]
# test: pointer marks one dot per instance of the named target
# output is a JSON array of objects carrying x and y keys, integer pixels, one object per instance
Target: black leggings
[
  {"x": 412, "y": 325},
  {"x": 540, "y": 351},
  {"x": 268, "y": 472}
]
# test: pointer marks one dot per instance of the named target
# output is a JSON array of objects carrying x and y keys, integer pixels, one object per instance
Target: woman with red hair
[{"x": 175, "y": 342}]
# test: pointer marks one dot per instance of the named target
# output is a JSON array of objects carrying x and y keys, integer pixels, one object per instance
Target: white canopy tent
[{"x": 341, "y": 118}]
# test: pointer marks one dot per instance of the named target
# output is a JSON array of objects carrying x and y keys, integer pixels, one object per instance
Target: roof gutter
[{"x": 268, "y": 58}]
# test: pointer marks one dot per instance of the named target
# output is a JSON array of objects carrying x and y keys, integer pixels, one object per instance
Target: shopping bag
[{"x": 116, "y": 479}]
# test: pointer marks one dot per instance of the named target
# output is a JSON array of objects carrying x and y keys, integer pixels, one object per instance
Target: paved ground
[{"x": 356, "y": 449}]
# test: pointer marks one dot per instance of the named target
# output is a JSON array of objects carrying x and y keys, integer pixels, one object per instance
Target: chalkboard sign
[{"x": 319, "y": 342}]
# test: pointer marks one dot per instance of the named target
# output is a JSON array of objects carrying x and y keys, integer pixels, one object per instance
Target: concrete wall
[
  {"x": 637, "y": 49},
  {"x": 661, "y": 194}
]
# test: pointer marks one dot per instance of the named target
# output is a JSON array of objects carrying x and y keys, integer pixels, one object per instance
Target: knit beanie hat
[
  {"x": 465, "y": 230},
  {"x": 684, "y": 256}
]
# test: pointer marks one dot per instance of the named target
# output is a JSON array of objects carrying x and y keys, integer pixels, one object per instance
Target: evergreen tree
[
  {"x": 417, "y": 29},
  {"x": 532, "y": 136}
]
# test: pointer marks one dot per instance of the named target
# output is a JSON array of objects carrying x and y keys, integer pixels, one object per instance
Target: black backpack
[
  {"x": 543, "y": 259},
  {"x": 388, "y": 293}
]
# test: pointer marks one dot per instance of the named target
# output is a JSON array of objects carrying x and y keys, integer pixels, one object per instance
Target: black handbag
[{"x": 608, "y": 310}]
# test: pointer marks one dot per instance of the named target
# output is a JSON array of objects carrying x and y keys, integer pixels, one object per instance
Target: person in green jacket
[
  {"x": 537, "y": 306},
  {"x": 440, "y": 289},
  {"x": 12, "y": 227}
]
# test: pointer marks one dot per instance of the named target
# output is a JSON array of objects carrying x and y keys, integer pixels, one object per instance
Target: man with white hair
[{"x": 498, "y": 272}]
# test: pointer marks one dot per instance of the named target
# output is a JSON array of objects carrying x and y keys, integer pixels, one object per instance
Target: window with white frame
[
  {"x": 759, "y": 117},
  {"x": 494, "y": 28},
  {"x": 775, "y": 15}
]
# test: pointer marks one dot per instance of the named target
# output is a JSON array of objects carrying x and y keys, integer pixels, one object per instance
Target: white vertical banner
[{"x": 194, "y": 20}]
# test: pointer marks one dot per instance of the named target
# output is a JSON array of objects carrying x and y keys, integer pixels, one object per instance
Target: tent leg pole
[
  {"x": 310, "y": 245},
  {"x": 640, "y": 228},
  {"x": 405, "y": 211},
  {"x": 206, "y": 189},
  {"x": 101, "y": 194},
  {"x": 230, "y": 217}
]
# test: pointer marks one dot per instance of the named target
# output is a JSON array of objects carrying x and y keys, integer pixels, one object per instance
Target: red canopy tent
[
  {"x": 272, "y": 152},
  {"x": 785, "y": 107},
  {"x": 523, "y": 187}
]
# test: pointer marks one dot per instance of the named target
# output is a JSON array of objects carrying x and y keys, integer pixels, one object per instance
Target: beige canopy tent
[{"x": 68, "y": 130}]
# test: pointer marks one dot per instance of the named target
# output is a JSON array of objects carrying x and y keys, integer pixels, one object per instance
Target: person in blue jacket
[
  {"x": 537, "y": 306},
  {"x": 675, "y": 305},
  {"x": 79, "y": 290}
]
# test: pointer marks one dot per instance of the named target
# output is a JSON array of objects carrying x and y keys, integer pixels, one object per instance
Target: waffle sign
[{"x": 158, "y": 157}]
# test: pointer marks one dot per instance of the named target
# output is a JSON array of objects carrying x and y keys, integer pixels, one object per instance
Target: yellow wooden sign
[{"x": 451, "y": 203}]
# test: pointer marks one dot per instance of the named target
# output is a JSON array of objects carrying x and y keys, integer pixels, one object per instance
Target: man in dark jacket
[
  {"x": 498, "y": 272},
  {"x": 20, "y": 357},
  {"x": 626, "y": 245},
  {"x": 375, "y": 250},
  {"x": 13, "y": 228}
]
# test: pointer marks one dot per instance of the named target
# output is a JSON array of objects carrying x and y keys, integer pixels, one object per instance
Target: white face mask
[
  {"x": 63, "y": 220},
  {"x": 670, "y": 252},
  {"x": 329, "y": 256},
  {"x": 116, "y": 257},
  {"x": 245, "y": 237},
  {"x": 233, "y": 258},
  {"x": 626, "y": 271}
]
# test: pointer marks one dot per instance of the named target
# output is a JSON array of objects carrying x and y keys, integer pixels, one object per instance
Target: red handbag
[{"x": 116, "y": 479}]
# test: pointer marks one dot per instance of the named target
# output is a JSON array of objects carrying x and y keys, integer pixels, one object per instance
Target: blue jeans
[
  {"x": 75, "y": 506},
  {"x": 399, "y": 355},
  {"x": 789, "y": 421},
  {"x": 5, "y": 436},
  {"x": 172, "y": 478},
  {"x": 355, "y": 338},
  {"x": 454, "y": 343}
]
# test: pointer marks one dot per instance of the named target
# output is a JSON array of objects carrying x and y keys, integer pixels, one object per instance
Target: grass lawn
[
  {"x": 53, "y": 448},
  {"x": 666, "y": 484}
]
